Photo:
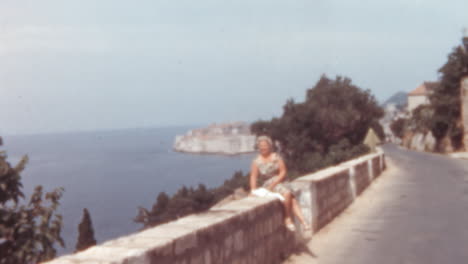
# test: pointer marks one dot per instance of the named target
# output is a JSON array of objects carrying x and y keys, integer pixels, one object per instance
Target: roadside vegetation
[{"x": 442, "y": 116}]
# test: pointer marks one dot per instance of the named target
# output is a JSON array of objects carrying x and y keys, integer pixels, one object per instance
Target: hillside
[{"x": 399, "y": 99}]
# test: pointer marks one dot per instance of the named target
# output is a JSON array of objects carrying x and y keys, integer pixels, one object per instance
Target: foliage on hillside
[
  {"x": 445, "y": 100},
  {"x": 188, "y": 201},
  {"x": 422, "y": 119},
  {"x": 398, "y": 127},
  {"x": 28, "y": 232},
  {"x": 325, "y": 129}
]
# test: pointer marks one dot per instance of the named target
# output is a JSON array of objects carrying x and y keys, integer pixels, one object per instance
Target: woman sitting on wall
[{"x": 270, "y": 167}]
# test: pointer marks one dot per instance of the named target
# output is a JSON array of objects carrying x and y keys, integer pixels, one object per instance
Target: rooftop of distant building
[{"x": 424, "y": 88}]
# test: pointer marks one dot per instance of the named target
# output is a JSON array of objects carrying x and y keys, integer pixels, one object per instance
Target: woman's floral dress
[{"x": 269, "y": 172}]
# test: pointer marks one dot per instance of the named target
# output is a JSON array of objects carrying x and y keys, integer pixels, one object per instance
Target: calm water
[{"x": 112, "y": 173}]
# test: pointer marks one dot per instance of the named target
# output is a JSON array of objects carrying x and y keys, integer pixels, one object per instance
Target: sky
[{"x": 111, "y": 64}]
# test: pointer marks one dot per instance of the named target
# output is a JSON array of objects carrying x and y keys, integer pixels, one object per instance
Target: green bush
[
  {"x": 445, "y": 99},
  {"x": 188, "y": 201},
  {"x": 325, "y": 129},
  {"x": 399, "y": 126},
  {"x": 28, "y": 232}
]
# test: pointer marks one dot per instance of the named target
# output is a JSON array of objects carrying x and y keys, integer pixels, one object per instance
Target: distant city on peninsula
[{"x": 226, "y": 138}]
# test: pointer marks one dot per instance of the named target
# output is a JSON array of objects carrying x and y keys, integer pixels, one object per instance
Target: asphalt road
[{"x": 415, "y": 212}]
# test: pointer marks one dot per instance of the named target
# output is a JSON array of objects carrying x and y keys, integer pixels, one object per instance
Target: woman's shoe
[{"x": 290, "y": 225}]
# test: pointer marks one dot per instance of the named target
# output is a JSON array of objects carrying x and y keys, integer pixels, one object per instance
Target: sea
[{"x": 112, "y": 173}]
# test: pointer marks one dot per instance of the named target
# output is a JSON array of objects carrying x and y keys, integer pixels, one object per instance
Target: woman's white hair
[{"x": 267, "y": 139}]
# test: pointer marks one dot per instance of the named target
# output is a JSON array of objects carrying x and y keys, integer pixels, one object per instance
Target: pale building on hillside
[{"x": 420, "y": 95}]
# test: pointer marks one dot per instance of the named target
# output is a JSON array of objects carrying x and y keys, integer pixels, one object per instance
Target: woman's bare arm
[{"x": 253, "y": 176}]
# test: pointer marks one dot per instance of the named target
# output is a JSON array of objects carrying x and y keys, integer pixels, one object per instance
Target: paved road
[{"x": 416, "y": 212}]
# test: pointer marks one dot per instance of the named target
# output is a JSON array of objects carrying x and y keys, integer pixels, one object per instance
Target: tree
[
  {"x": 28, "y": 232},
  {"x": 398, "y": 127},
  {"x": 335, "y": 115},
  {"x": 422, "y": 119},
  {"x": 85, "y": 232},
  {"x": 445, "y": 99}
]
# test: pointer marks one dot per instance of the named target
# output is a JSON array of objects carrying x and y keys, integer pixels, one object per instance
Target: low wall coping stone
[{"x": 333, "y": 170}]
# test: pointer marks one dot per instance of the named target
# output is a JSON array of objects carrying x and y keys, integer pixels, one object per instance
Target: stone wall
[
  {"x": 325, "y": 194},
  {"x": 250, "y": 230}
]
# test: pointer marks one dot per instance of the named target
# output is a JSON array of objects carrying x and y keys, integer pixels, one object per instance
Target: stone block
[
  {"x": 181, "y": 261},
  {"x": 157, "y": 248},
  {"x": 343, "y": 181},
  {"x": 170, "y": 232},
  {"x": 207, "y": 257},
  {"x": 70, "y": 260},
  {"x": 262, "y": 230},
  {"x": 101, "y": 254},
  {"x": 217, "y": 254},
  {"x": 277, "y": 219},
  {"x": 269, "y": 227},
  {"x": 185, "y": 243},
  {"x": 239, "y": 241},
  {"x": 376, "y": 166},
  {"x": 198, "y": 259},
  {"x": 335, "y": 198},
  {"x": 370, "y": 170},
  {"x": 228, "y": 245}
]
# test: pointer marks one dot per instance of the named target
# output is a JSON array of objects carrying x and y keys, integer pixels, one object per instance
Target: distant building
[
  {"x": 391, "y": 113},
  {"x": 420, "y": 95}
]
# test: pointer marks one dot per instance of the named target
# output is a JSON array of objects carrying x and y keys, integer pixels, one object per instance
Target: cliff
[{"x": 228, "y": 138}]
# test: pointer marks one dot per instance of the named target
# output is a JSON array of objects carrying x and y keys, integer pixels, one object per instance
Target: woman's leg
[
  {"x": 298, "y": 212},
  {"x": 287, "y": 206}
]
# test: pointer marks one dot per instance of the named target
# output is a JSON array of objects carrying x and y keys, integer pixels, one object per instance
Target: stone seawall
[
  {"x": 325, "y": 194},
  {"x": 250, "y": 230}
]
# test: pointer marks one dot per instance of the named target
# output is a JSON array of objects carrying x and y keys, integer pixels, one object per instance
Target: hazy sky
[{"x": 104, "y": 64}]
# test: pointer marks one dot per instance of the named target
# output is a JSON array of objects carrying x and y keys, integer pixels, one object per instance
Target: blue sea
[{"x": 112, "y": 173}]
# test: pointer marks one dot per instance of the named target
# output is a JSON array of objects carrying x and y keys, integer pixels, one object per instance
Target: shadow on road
[{"x": 302, "y": 248}]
